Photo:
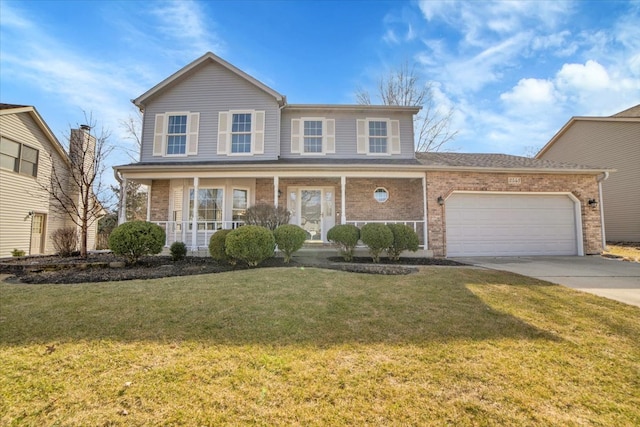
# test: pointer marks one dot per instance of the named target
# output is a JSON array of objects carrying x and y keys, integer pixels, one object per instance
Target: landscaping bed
[{"x": 106, "y": 267}]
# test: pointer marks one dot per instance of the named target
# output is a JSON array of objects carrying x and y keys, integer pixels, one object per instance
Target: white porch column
[
  {"x": 424, "y": 207},
  {"x": 194, "y": 219},
  {"x": 148, "y": 203},
  {"x": 276, "y": 184},
  {"x": 122, "y": 215},
  {"x": 343, "y": 202}
]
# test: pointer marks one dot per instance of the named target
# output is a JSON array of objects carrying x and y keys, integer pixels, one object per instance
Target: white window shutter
[
  {"x": 192, "y": 135},
  {"x": 362, "y": 136},
  {"x": 158, "y": 136},
  {"x": 258, "y": 132},
  {"x": 330, "y": 146},
  {"x": 223, "y": 132},
  {"x": 295, "y": 136},
  {"x": 395, "y": 136}
]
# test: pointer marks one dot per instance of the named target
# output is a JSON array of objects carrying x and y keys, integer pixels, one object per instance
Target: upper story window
[
  {"x": 176, "y": 134},
  {"x": 314, "y": 135},
  {"x": 18, "y": 157},
  {"x": 377, "y": 137},
  {"x": 241, "y": 132}
]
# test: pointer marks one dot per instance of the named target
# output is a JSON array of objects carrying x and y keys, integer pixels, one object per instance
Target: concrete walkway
[{"x": 609, "y": 278}]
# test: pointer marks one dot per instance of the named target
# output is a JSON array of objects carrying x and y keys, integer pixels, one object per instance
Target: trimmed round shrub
[
  {"x": 346, "y": 236},
  {"x": 378, "y": 237},
  {"x": 178, "y": 251},
  {"x": 404, "y": 239},
  {"x": 289, "y": 238},
  {"x": 251, "y": 244},
  {"x": 135, "y": 239},
  {"x": 217, "y": 247}
]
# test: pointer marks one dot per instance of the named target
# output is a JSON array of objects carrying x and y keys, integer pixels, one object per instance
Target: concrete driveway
[{"x": 609, "y": 278}]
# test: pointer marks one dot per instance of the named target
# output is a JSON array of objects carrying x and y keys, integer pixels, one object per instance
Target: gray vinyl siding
[
  {"x": 611, "y": 144},
  {"x": 20, "y": 194},
  {"x": 346, "y": 133},
  {"x": 209, "y": 89}
]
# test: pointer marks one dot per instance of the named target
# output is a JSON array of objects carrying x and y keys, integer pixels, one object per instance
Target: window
[
  {"x": 18, "y": 157},
  {"x": 240, "y": 201},
  {"x": 177, "y": 135},
  {"x": 209, "y": 207},
  {"x": 241, "y": 133},
  {"x": 313, "y": 136},
  {"x": 377, "y": 137},
  {"x": 381, "y": 195}
]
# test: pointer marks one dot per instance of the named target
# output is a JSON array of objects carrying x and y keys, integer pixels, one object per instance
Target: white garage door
[{"x": 510, "y": 225}]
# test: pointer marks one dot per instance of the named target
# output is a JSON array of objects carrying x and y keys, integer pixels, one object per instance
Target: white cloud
[
  {"x": 588, "y": 77},
  {"x": 530, "y": 92}
]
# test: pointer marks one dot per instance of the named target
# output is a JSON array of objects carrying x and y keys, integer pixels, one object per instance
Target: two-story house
[{"x": 216, "y": 140}]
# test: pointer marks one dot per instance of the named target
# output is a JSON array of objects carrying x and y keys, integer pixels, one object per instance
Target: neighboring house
[
  {"x": 215, "y": 141},
  {"x": 28, "y": 153},
  {"x": 613, "y": 142}
]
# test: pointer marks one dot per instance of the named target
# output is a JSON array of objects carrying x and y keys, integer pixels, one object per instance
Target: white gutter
[{"x": 603, "y": 177}]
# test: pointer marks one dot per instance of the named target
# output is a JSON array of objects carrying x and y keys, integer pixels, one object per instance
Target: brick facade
[
  {"x": 160, "y": 200},
  {"x": 583, "y": 187}
]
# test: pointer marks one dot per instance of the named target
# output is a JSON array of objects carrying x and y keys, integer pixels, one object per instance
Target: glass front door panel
[{"x": 311, "y": 213}]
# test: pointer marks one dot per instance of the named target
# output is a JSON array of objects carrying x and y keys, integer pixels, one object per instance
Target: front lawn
[{"x": 445, "y": 346}]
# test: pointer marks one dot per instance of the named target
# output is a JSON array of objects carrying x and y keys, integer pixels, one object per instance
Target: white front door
[
  {"x": 312, "y": 209},
  {"x": 37, "y": 234}
]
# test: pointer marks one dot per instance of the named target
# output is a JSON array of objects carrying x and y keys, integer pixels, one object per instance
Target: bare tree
[
  {"x": 404, "y": 87},
  {"x": 77, "y": 188},
  {"x": 132, "y": 127},
  {"x": 136, "y": 195}
]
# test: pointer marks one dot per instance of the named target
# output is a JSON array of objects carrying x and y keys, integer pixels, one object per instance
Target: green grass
[{"x": 446, "y": 346}]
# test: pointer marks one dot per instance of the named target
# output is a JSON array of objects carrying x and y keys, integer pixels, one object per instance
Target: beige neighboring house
[
  {"x": 613, "y": 142},
  {"x": 216, "y": 140},
  {"x": 28, "y": 153}
]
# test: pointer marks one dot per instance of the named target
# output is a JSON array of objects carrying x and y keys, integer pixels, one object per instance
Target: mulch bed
[{"x": 54, "y": 269}]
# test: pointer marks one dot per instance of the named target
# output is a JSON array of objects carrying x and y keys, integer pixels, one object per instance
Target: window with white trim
[
  {"x": 241, "y": 133},
  {"x": 18, "y": 157},
  {"x": 377, "y": 136},
  {"x": 210, "y": 207},
  {"x": 240, "y": 203},
  {"x": 312, "y": 136},
  {"x": 381, "y": 194},
  {"x": 176, "y": 134}
]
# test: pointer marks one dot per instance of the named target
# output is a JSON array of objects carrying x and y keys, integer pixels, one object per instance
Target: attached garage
[{"x": 512, "y": 224}]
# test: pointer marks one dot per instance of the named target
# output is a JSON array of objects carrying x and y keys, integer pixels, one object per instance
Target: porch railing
[
  {"x": 182, "y": 231},
  {"x": 418, "y": 226}
]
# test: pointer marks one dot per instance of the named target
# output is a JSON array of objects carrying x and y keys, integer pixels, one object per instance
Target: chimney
[{"x": 82, "y": 146}]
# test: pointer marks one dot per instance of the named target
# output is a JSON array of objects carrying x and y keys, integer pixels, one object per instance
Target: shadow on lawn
[{"x": 314, "y": 307}]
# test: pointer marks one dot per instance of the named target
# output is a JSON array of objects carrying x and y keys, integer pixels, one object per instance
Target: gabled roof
[
  {"x": 6, "y": 109},
  {"x": 630, "y": 114},
  {"x": 140, "y": 101}
]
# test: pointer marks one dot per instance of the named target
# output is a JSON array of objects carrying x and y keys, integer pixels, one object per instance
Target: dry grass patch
[
  {"x": 316, "y": 347},
  {"x": 628, "y": 251}
]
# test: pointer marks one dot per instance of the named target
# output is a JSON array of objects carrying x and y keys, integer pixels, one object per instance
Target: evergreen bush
[
  {"x": 289, "y": 239},
  {"x": 251, "y": 244},
  {"x": 178, "y": 251},
  {"x": 217, "y": 247},
  {"x": 346, "y": 236},
  {"x": 378, "y": 237},
  {"x": 135, "y": 239},
  {"x": 404, "y": 239}
]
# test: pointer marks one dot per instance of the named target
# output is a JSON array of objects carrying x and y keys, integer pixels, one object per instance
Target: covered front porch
[{"x": 191, "y": 207}]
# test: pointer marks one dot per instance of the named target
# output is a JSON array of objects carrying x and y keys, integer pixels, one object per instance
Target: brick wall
[
  {"x": 583, "y": 187},
  {"x": 160, "y": 200},
  {"x": 405, "y": 199}
]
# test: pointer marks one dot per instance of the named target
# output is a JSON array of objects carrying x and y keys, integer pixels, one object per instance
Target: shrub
[
  {"x": 378, "y": 237},
  {"x": 18, "y": 252},
  {"x": 404, "y": 239},
  {"x": 251, "y": 244},
  {"x": 289, "y": 239},
  {"x": 65, "y": 241},
  {"x": 217, "y": 248},
  {"x": 135, "y": 239},
  {"x": 267, "y": 216},
  {"x": 346, "y": 236},
  {"x": 178, "y": 251}
]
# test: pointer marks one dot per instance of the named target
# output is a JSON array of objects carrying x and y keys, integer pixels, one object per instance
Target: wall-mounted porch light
[
  {"x": 593, "y": 203},
  {"x": 440, "y": 200}
]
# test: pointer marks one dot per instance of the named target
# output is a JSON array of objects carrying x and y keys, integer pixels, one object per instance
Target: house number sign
[{"x": 514, "y": 180}]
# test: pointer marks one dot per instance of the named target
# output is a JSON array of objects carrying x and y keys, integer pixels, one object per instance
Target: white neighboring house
[{"x": 29, "y": 152}]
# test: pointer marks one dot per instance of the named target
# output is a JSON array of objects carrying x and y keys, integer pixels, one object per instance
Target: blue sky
[{"x": 514, "y": 72}]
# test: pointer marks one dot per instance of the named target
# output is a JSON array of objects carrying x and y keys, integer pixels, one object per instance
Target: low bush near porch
[
  {"x": 446, "y": 346},
  {"x": 346, "y": 236},
  {"x": 251, "y": 244},
  {"x": 289, "y": 238},
  {"x": 378, "y": 237},
  {"x": 136, "y": 239},
  {"x": 404, "y": 239}
]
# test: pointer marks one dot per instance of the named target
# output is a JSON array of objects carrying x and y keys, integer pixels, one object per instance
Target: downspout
[
  {"x": 600, "y": 179},
  {"x": 118, "y": 178}
]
